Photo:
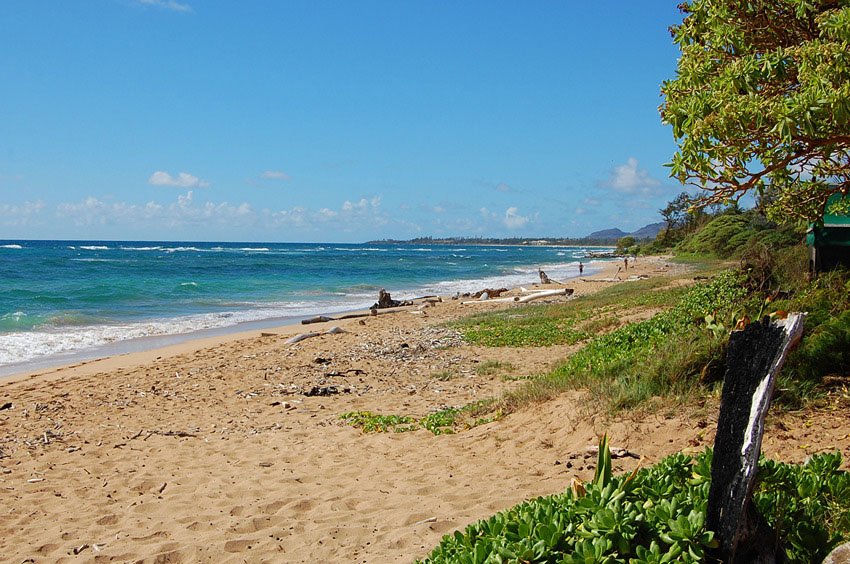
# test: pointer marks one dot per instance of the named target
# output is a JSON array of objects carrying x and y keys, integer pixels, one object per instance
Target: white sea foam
[
  {"x": 141, "y": 248},
  {"x": 11, "y": 247},
  {"x": 24, "y": 347},
  {"x": 94, "y": 247}
]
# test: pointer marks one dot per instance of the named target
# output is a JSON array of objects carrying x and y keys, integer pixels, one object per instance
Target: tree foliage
[{"x": 761, "y": 99}]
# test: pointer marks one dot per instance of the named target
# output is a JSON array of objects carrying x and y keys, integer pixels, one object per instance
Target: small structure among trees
[{"x": 829, "y": 239}]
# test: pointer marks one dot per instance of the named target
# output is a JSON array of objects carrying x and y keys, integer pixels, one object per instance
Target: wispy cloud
[
  {"x": 180, "y": 213},
  {"x": 182, "y": 180},
  {"x": 16, "y": 215},
  {"x": 171, "y": 5},
  {"x": 629, "y": 178},
  {"x": 513, "y": 220},
  {"x": 510, "y": 219},
  {"x": 502, "y": 187},
  {"x": 275, "y": 175},
  {"x": 351, "y": 216}
]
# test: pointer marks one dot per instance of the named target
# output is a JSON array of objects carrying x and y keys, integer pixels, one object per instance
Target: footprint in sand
[{"x": 237, "y": 545}]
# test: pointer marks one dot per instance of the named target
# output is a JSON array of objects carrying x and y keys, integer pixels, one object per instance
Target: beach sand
[{"x": 209, "y": 450}]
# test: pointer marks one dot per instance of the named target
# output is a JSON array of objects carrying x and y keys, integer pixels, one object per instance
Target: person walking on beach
[
  {"x": 626, "y": 263},
  {"x": 580, "y": 268}
]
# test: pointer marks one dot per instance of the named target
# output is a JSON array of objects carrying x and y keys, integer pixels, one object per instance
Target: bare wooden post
[{"x": 755, "y": 356}]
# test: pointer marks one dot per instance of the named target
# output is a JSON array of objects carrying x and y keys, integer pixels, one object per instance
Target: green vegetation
[
  {"x": 629, "y": 366},
  {"x": 761, "y": 101},
  {"x": 443, "y": 422},
  {"x": 443, "y": 375},
  {"x": 493, "y": 367},
  {"x": 370, "y": 422},
  {"x": 731, "y": 234},
  {"x": 657, "y": 515},
  {"x": 564, "y": 324}
]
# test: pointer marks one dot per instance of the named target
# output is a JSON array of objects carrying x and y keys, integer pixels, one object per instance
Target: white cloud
[
  {"x": 359, "y": 215},
  {"x": 171, "y": 5},
  {"x": 629, "y": 178},
  {"x": 513, "y": 220},
  {"x": 182, "y": 180},
  {"x": 275, "y": 175},
  {"x": 502, "y": 187},
  {"x": 20, "y": 214},
  {"x": 181, "y": 213}
]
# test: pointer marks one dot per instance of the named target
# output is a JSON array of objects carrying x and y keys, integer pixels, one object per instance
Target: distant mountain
[
  {"x": 648, "y": 231},
  {"x": 607, "y": 234},
  {"x": 645, "y": 232}
]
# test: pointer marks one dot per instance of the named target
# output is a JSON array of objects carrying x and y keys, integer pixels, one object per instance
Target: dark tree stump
[{"x": 755, "y": 356}]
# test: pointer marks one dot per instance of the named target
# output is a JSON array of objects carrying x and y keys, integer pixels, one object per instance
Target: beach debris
[
  {"x": 423, "y": 521},
  {"x": 320, "y": 360},
  {"x": 324, "y": 391},
  {"x": 489, "y": 292},
  {"x": 386, "y": 301},
  {"x": 7, "y": 405},
  {"x": 35, "y": 480},
  {"x": 162, "y": 488},
  {"x": 356, "y": 371},
  {"x": 266, "y": 464},
  {"x": 298, "y": 338},
  {"x": 530, "y": 297},
  {"x": 544, "y": 278},
  {"x": 317, "y": 319},
  {"x": 78, "y": 549},
  {"x": 616, "y": 452},
  {"x": 301, "y": 337}
]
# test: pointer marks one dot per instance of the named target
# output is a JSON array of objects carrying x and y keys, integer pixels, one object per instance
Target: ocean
[{"x": 63, "y": 301}]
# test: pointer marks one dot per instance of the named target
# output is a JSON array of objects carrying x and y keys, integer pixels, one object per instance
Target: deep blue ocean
[{"x": 61, "y": 300}]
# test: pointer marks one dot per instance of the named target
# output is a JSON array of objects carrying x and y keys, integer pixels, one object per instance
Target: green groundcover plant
[{"x": 656, "y": 515}]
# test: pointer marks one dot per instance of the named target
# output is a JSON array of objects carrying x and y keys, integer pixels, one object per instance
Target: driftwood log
[
  {"x": 386, "y": 301},
  {"x": 754, "y": 358}
]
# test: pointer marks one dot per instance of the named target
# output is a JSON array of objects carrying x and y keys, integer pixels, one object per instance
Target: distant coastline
[{"x": 508, "y": 242}]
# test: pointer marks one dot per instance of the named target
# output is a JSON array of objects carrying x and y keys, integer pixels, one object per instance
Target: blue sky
[{"x": 332, "y": 120}]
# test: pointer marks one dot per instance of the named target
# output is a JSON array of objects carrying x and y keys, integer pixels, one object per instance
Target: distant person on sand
[
  {"x": 580, "y": 269},
  {"x": 626, "y": 263}
]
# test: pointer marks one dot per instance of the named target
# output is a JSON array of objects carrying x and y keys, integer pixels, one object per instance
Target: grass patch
[
  {"x": 370, "y": 422},
  {"x": 443, "y": 376},
  {"x": 565, "y": 323},
  {"x": 493, "y": 367},
  {"x": 443, "y": 422},
  {"x": 659, "y": 357}
]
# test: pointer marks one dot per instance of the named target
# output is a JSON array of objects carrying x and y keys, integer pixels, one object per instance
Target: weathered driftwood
[
  {"x": 317, "y": 319},
  {"x": 544, "y": 279},
  {"x": 530, "y": 297},
  {"x": 301, "y": 337},
  {"x": 544, "y": 294},
  {"x": 298, "y": 338},
  {"x": 386, "y": 301},
  {"x": 491, "y": 293},
  {"x": 755, "y": 356}
]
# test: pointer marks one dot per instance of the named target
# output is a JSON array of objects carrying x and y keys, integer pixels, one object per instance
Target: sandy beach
[{"x": 210, "y": 450}]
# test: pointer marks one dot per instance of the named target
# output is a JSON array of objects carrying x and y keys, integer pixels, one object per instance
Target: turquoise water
[{"x": 62, "y": 297}]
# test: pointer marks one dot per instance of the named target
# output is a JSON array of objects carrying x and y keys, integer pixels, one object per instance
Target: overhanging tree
[{"x": 761, "y": 100}]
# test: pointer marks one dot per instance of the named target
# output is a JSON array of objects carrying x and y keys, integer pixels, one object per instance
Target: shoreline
[
  {"x": 189, "y": 342},
  {"x": 36, "y": 338},
  {"x": 149, "y": 344}
]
